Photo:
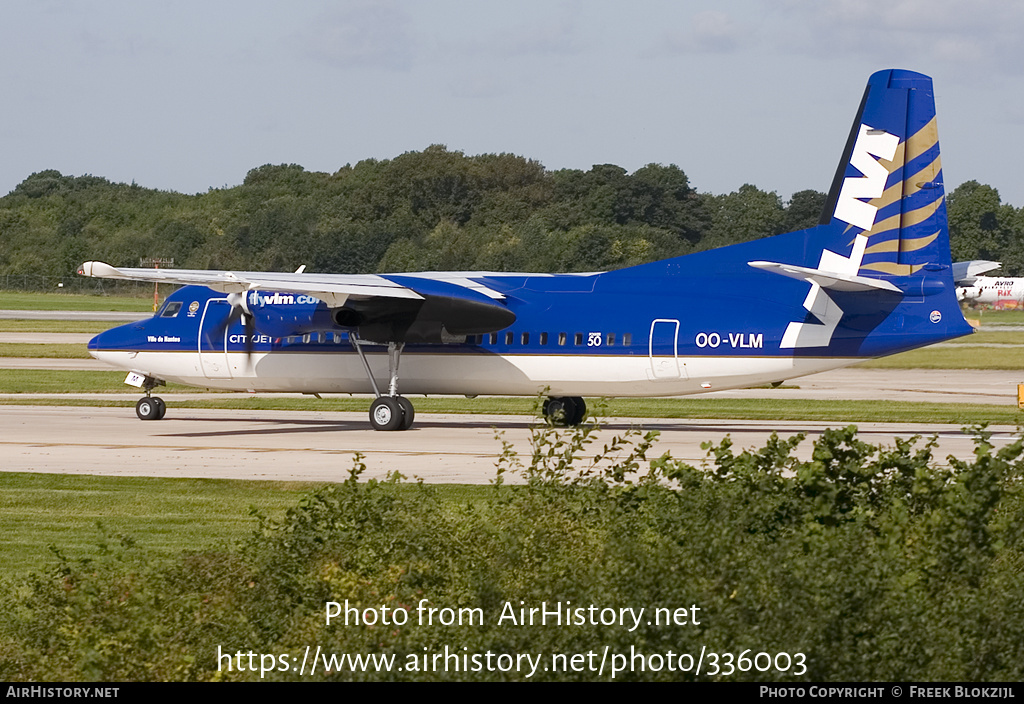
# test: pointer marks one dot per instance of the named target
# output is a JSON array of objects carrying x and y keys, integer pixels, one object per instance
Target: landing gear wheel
[
  {"x": 147, "y": 409},
  {"x": 560, "y": 410},
  {"x": 161, "y": 407},
  {"x": 386, "y": 414},
  {"x": 408, "y": 412},
  {"x": 565, "y": 410},
  {"x": 580, "y": 413}
]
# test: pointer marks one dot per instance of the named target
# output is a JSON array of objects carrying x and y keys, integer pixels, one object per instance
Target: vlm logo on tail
[{"x": 850, "y": 208}]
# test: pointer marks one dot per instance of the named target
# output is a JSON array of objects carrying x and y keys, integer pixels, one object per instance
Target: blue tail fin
[
  {"x": 874, "y": 277},
  {"x": 879, "y": 263},
  {"x": 888, "y": 192}
]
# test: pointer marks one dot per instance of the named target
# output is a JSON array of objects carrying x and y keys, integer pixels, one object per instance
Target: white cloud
[
  {"x": 362, "y": 35},
  {"x": 709, "y": 32},
  {"x": 977, "y": 35}
]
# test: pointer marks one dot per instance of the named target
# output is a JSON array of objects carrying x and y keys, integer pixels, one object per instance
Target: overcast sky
[{"x": 187, "y": 96}]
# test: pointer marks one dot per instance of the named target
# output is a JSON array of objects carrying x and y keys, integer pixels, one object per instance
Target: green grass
[
  {"x": 165, "y": 515},
  {"x": 15, "y": 300},
  {"x": 990, "y": 336},
  {"x": 952, "y": 358},
  {"x": 80, "y": 326},
  {"x": 56, "y": 381},
  {"x": 60, "y": 381},
  {"x": 996, "y": 317},
  {"x": 43, "y": 351}
]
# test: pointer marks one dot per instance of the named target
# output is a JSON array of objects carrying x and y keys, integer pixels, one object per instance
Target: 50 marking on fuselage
[{"x": 736, "y": 340}]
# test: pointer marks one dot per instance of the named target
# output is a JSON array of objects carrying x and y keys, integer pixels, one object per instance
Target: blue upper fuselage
[{"x": 740, "y": 311}]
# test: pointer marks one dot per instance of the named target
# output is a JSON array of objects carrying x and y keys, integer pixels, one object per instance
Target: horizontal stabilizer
[{"x": 827, "y": 279}]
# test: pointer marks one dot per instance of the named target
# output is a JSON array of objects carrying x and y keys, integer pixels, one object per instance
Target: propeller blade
[
  {"x": 239, "y": 311},
  {"x": 250, "y": 333},
  {"x": 230, "y": 319}
]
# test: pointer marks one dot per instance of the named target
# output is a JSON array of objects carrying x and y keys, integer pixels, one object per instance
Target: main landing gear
[
  {"x": 151, "y": 407},
  {"x": 565, "y": 410},
  {"x": 391, "y": 411}
]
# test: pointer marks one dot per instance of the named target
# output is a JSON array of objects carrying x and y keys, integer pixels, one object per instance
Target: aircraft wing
[
  {"x": 453, "y": 302},
  {"x": 332, "y": 289}
]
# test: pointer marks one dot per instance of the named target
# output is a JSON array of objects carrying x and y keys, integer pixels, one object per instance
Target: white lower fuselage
[{"x": 469, "y": 374}]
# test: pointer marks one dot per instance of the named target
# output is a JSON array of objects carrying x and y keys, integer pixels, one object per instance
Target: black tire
[
  {"x": 147, "y": 409},
  {"x": 161, "y": 406},
  {"x": 560, "y": 410},
  {"x": 386, "y": 414},
  {"x": 408, "y": 412},
  {"x": 580, "y": 413}
]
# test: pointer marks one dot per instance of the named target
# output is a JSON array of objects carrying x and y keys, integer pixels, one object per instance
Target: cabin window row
[
  {"x": 562, "y": 339},
  {"x": 509, "y": 338}
]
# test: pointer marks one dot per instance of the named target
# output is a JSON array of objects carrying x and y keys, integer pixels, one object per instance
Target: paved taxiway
[{"x": 319, "y": 446}]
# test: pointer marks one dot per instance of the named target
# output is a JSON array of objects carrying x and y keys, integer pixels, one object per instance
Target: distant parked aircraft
[{"x": 995, "y": 290}]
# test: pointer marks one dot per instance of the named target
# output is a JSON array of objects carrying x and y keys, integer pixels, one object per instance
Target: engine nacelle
[{"x": 284, "y": 314}]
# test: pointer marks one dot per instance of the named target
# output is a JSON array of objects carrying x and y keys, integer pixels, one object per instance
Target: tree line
[{"x": 435, "y": 209}]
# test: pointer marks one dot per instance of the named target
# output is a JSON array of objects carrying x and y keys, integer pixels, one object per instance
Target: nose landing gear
[{"x": 151, "y": 407}]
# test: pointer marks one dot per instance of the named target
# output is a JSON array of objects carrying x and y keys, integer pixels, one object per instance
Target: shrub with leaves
[{"x": 876, "y": 563}]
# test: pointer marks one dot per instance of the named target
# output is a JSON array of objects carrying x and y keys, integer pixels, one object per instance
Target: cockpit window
[{"x": 171, "y": 309}]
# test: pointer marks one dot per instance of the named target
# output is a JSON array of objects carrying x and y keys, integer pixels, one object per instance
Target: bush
[{"x": 873, "y": 563}]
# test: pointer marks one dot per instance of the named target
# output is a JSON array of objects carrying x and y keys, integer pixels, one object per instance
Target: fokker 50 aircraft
[{"x": 873, "y": 278}]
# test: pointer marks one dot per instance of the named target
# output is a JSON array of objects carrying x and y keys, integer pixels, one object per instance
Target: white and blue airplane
[
  {"x": 873, "y": 278},
  {"x": 975, "y": 288}
]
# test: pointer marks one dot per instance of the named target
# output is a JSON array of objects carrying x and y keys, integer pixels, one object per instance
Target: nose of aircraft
[{"x": 124, "y": 337}]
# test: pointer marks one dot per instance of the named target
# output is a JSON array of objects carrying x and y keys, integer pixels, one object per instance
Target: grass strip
[
  {"x": 90, "y": 327},
  {"x": 163, "y": 515},
  {"x": 991, "y": 336},
  {"x": 1008, "y": 358},
  {"x": 996, "y": 317},
  {"x": 18, "y": 300},
  {"x": 60, "y": 381},
  {"x": 43, "y": 350},
  {"x": 839, "y": 412}
]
